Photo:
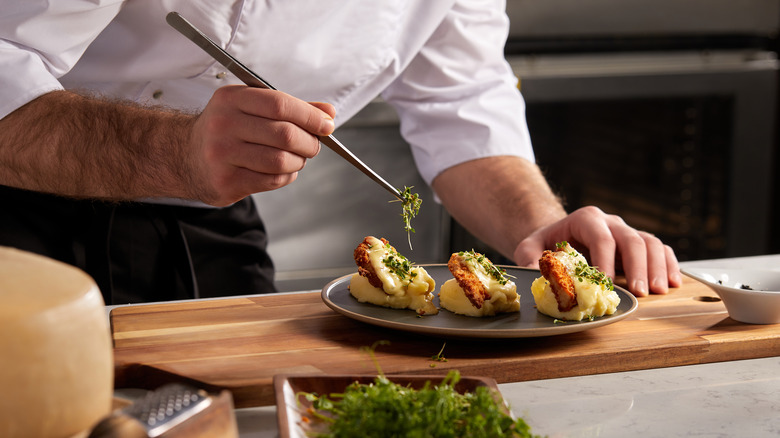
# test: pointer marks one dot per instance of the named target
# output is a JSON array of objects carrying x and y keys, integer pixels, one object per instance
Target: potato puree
[
  {"x": 502, "y": 299},
  {"x": 411, "y": 290},
  {"x": 593, "y": 300},
  {"x": 415, "y": 299}
]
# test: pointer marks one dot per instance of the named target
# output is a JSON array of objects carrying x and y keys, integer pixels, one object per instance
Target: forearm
[
  {"x": 71, "y": 145},
  {"x": 501, "y": 200}
]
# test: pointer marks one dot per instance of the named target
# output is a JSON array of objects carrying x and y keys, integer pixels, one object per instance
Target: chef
[{"x": 127, "y": 151}]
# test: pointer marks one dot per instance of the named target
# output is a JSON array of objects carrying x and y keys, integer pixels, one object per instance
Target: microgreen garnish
[
  {"x": 497, "y": 273},
  {"x": 439, "y": 357},
  {"x": 387, "y": 409},
  {"x": 399, "y": 264},
  {"x": 410, "y": 208},
  {"x": 591, "y": 273},
  {"x": 584, "y": 272}
]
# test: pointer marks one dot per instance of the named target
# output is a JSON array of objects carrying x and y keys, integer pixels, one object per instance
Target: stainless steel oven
[{"x": 662, "y": 111}]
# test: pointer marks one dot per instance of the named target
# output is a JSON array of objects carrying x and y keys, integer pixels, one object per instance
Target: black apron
[{"x": 141, "y": 252}]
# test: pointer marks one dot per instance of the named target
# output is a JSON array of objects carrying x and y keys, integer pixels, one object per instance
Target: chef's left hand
[{"x": 608, "y": 243}]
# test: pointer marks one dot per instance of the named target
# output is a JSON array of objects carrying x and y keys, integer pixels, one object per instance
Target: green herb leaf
[
  {"x": 497, "y": 273},
  {"x": 387, "y": 409},
  {"x": 592, "y": 274},
  {"x": 399, "y": 265},
  {"x": 439, "y": 356},
  {"x": 411, "y": 203}
]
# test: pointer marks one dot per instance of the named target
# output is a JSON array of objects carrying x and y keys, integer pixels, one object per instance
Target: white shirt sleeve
[
  {"x": 41, "y": 40},
  {"x": 458, "y": 99}
]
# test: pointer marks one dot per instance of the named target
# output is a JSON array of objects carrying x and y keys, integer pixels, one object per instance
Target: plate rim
[{"x": 477, "y": 333}]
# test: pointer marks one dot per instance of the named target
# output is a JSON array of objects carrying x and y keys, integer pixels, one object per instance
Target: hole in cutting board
[{"x": 707, "y": 299}]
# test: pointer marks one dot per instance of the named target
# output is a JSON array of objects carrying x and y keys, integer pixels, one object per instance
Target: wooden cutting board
[{"x": 241, "y": 343}]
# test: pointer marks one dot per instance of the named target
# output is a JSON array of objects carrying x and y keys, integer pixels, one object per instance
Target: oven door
[{"x": 680, "y": 144}]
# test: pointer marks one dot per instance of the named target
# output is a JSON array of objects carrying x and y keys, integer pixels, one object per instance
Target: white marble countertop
[{"x": 726, "y": 399}]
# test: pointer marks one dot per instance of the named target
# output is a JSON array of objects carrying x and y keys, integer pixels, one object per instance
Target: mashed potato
[
  {"x": 386, "y": 278},
  {"x": 593, "y": 291},
  {"x": 478, "y": 287},
  {"x": 502, "y": 300}
]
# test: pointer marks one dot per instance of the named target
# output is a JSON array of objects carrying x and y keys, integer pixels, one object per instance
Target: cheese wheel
[{"x": 56, "y": 360}]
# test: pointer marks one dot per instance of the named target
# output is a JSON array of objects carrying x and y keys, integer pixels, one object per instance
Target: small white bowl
[{"x": 751, "y": 296}]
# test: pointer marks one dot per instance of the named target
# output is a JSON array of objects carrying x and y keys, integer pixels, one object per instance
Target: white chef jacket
[{"x": 440, "y": 63}]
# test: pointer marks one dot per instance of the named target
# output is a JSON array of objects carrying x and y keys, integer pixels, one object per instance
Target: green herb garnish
[
  {"x": 399, "y": 264},
  {"x": 386, "y": 409},
  {"x": 584, "y": 272},
  {"x": 591, "y": 273},
  {"x": 439, "y": 357},
  {"x": 497, "y": 273},
  {"x": 411, "y": 203}
]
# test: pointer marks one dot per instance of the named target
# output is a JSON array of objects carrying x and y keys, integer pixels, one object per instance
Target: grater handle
[{"x": 171, "y": 411}]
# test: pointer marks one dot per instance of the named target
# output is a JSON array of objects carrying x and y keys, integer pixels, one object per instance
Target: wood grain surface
[{"x": 241, "y": 343}]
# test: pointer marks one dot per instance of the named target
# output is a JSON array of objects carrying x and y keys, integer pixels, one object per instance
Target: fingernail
[
  {"x": 660, "y": 285},
  {"x": 676, "y": 280},
  {"x": 328, "y": 125},
  {"x": 639, "y": 288}
]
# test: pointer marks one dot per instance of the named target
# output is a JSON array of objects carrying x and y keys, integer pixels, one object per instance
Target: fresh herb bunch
[
  {"x": 399, "y": 264},
  {"x": 411, "y": 203},
  {"x": 497, "y": 273},
  {"x": 387, "y": 409}
]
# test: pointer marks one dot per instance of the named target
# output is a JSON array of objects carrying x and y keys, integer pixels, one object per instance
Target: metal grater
[{"x": 164, "y": 408}]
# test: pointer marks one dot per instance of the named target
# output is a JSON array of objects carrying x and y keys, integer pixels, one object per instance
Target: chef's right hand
[{"x": 250, "y": 140}]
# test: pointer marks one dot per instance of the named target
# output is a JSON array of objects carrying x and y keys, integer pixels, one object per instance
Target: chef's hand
[
  {"x": 608, "y": 242},
  {"x": 249, "y": 140}
]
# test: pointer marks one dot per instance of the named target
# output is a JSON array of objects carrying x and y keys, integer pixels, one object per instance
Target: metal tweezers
[{"x": 251, "y": 79}]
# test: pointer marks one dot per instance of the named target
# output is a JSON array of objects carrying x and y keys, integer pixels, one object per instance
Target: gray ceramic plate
[{"x": 527, "y": 323}]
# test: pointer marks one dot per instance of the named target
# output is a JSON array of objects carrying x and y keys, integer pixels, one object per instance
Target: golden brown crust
[
  {"x": 473, "y": 288},
  {"x": 363, "y": 262},
  {"x": 560, "y": 282}
]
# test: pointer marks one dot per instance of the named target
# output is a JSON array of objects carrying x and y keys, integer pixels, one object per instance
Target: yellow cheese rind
[
  {"x": 502, "y": 300},
  {"x": 57, "y": 360}
]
